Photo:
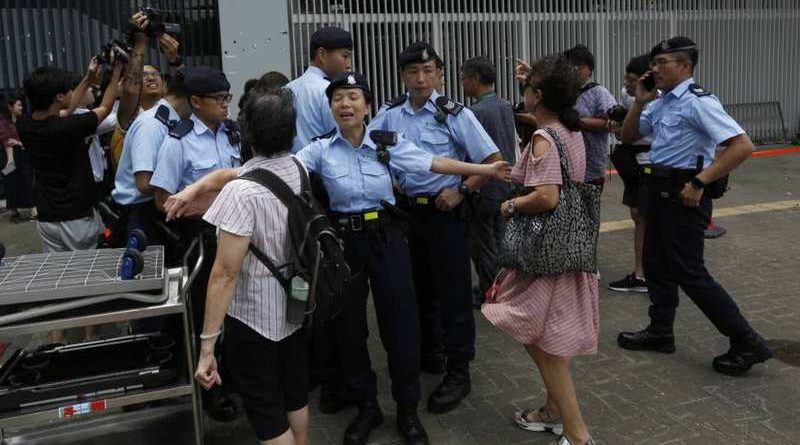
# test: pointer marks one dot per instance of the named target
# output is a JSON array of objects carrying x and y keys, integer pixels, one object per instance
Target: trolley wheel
[
  {"x": 137, "y": 240},
  {"x": 158, "y": 358},
  {"x": 160, "y": 343},
  {"x": 131, "y": 265}
]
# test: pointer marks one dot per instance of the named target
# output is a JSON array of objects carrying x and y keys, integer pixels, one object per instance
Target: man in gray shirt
[
  {"x": 496, "y": 115},
  {"x": 592, "y": 106}
]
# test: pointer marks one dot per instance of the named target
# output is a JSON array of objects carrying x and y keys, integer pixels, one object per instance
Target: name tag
[{"x": 370, "y": 216}]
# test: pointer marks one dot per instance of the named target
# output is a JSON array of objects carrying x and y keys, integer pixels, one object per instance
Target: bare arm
[
  {"x": 231, "y": 251},
  {"x": 143, "y": 182},
  {"x": 132, "y": 81},
  {"x": 477, "y": 181},
  {"x": 92, "y": 77},
  {"x": 739, "y": 149},
  {"x": 544, "y": 197},
  {"x": 107, "y": 104},
  {"x": 499, "y": 170},
  {"x": 594, "y": 124},
  {"x": 192, "y": 198}
]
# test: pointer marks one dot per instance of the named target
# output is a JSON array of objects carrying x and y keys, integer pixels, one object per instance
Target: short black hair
[
  {"x": 270, "y": 122},
  {"x": 175, "y": 85},
  {"x": 272, "y": 79},
  {"x": 638, "y": 65},
  {"x": 482, "y": 67},
  {"x": 580, "y": 55},
  {"x": 44, "y": 84}
]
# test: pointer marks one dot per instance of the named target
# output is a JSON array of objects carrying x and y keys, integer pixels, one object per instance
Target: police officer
[
  {"x": 143, "y": 139},
  {"x": 196, "y": 146},
  {"x": 438, "y": 238},
  {"x": 331, "y": 53},
  {"x": 687, "y": 124}
]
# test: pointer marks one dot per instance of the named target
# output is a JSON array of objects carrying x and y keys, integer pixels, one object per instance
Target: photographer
[
  {"x": 687, "y": 124},
  {"x": 629, "y": 159},
  {"x": 64, "y": 186}
]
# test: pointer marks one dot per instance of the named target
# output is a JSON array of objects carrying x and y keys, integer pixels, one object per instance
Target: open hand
[
  {"x": 501, "y": 170},
  {"x": 177, "y": 204}
]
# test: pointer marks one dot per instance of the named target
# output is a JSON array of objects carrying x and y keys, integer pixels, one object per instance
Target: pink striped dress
[{"x": 559, "y": 313}]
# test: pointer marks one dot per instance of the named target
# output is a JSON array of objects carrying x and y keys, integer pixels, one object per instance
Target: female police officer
[{"x": 357, "y": 175}]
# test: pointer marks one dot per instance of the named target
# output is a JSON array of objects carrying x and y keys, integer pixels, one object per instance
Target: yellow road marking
[{"x": 625, "y": 224}]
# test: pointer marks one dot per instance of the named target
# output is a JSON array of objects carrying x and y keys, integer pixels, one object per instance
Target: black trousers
[
  {"x": 673, "y": 257},
  {"x": 440, "y": 259},
  {"x": 379, "y": 259},
  {"x": 487, "y": 227}
]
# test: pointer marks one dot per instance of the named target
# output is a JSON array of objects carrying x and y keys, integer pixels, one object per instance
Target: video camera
[
  {"x": 157, "y": 25},
  {"x": 617, "y": 113},
  {"x": 114, "y": 47}
]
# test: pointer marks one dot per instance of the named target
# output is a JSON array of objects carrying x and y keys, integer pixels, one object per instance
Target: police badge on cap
[
  {"x": 349, "y": 80},
  {"x": 418, "y": 52}
]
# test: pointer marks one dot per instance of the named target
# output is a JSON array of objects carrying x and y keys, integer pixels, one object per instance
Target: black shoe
[
  {"x": 739, "y": 360},
  {"x": 630, "y": 283},
  {"x": 432, "y": 363},
  {"x": 410, "y": 427},
  {"x": 332, "y": 401},
  {"x": 369, "y": 417},
  {"x": 647, "y": 340},
  {"x": 219, "y": 405},
  {"x": 454, "y": 387}
]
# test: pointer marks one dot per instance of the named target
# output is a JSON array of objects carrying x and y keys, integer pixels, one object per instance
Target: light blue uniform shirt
[
  {"x": 685, "y": 126},
  {"x": 458, "y": 137},
  {"x": 314, "y": 117},
  {"x": 183, "y": 161},
  {"x": 139, "y": 153},
  {"x": 354, "y": 178}
]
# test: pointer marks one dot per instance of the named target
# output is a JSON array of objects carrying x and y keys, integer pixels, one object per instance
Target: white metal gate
[{"x": 750, "y": 51}]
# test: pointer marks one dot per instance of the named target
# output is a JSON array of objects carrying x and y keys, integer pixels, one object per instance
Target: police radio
[{"x": 383, "y": 139}]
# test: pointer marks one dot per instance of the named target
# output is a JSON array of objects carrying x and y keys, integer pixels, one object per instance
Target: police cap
[
  {"x": 418, "y": 52},
  {"x": 331, "y": 37},
  {"x": 349, "y": 80},
  {"x": 673, "y": 45},
  {"x": 203, "y": 80}
]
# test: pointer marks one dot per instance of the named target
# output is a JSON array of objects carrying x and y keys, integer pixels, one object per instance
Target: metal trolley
[{"x": 82, "y": 288}]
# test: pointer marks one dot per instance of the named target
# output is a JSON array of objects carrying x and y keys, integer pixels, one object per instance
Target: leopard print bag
[{"x": 561, "y": 240}]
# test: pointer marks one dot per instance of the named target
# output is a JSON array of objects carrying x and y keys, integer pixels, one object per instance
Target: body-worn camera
[
  {"x": 157, "y": 25},
  {"x": 617, "y": 113},
  {"x": 119, "y": 50}
]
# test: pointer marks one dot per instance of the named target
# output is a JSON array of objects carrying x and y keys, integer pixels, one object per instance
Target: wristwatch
[
  {"x": 511, "y": 207},
  {"x": 464, "y": 189},
  {"x": 697, "y": 183}
]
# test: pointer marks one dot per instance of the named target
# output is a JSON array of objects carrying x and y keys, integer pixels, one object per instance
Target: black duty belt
[
  {"x": 420, "y": 202},
  {"x": 361, "y": 221}
]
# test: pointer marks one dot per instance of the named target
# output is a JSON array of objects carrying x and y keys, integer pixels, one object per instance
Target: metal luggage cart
[{"x": 81, "y": 288}]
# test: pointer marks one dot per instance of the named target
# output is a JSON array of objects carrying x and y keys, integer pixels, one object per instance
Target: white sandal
[
  {"x": 564, "y": 440},
  {"x": 544, "y": 421}
]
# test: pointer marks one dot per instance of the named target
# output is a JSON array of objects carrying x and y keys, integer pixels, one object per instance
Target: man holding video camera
[{"x": 687, "y": 124}]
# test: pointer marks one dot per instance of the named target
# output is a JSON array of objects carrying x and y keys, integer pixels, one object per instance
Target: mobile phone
[{"x": 649, "y": 82}]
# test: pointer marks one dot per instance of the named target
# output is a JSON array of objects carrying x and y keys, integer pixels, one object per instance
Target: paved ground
[{"x": 628, "y": 397}]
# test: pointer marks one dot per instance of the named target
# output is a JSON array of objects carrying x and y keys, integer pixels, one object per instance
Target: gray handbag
[{"x": 561, "y": 240}]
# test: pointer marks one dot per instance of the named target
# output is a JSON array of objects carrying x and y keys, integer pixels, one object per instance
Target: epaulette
[
  {"x": 233, "y": 132},
  {"x": 162, "y": 114},
  {"x": 327, "y": 135},
  {"x": 181, "y": 129},
  {"x": 448, "y": 105},
  {"x": 399, "y": 100},
  {"x": 698, "y": 91}
]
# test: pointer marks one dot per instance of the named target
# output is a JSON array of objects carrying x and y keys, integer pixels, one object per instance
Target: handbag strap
[{"x": 562, "y": 155}]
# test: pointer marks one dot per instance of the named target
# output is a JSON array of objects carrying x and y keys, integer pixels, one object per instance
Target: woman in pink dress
[{"x": 555, "y": 316}]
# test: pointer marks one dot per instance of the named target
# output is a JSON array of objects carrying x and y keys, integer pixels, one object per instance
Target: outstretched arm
[{"x": 194, "y": 198}]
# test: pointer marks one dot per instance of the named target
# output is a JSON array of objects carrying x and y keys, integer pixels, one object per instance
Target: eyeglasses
[
  {"x": 661, "y": 62},
  {"x": 220, "y": 98}
]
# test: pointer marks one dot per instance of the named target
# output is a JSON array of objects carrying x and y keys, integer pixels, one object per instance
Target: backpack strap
[{"x": 589, "y": 86}]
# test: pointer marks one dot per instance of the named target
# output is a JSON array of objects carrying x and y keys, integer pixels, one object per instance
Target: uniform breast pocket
[
  {"x": 202, "y": 167},
  {"x": 437, "y": 140},
  {"x": 335, "y": 171},
  {"x": 670, "y": 126},
  {"x": 377, "y": 181}
]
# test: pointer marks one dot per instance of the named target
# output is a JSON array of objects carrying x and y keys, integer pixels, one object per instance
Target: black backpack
[{"x": 317, "y": 253}]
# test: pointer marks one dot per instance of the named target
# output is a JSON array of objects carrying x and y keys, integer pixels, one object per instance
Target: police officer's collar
[
  {"x": 316, "y": 71},
  {"x": 681, "y": 88},
  {"x": 199, "y": 127},
  {"x": 338, "y": 137},
  {"x": 430, "y": 105}
]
